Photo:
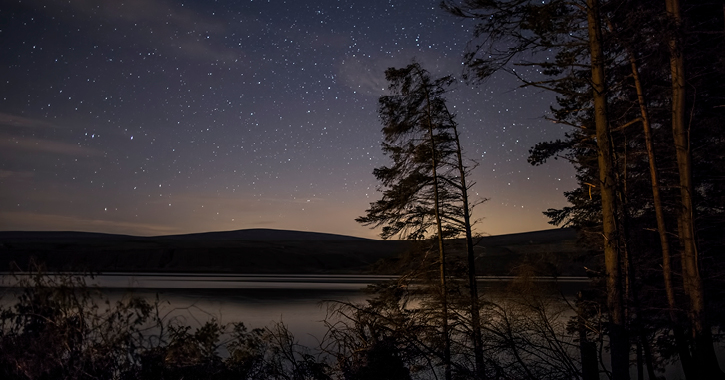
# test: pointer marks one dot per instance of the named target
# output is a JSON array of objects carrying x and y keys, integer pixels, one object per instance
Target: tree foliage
[
  {"x": 417, "y": 132},
  {"x": 640, "y": 40}
]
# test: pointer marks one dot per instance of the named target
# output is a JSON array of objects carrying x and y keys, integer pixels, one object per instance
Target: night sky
[{"x": 156, "y": 117}]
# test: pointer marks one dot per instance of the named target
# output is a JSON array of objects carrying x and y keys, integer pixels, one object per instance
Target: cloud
[
  {"x": 16, "y": 127},
  {"x": 29, "y": 221},
  {"x": 47, "y": 146},
  {"x": 159, "y": 24},
  {"x": 366, "y": 74},
  {"x": 9, "y": 120},
  {"x": 14, "y": 175}
]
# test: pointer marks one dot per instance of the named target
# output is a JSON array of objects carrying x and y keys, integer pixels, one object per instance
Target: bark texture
[{"x": 619, "y": 342}]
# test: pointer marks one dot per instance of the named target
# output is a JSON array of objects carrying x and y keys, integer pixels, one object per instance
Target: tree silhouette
[
  {"x": 614, "y": 64},
  {"x": 425, "y": 192}
]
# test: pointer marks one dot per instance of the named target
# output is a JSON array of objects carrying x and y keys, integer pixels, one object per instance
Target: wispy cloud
[
  {"x": 363, "y": 76},
  {"x": 158, "y": 24},
  {"x": 15, "y": 131},
  {"x": 47, "y": 146},
  {"x": 366, "y": 74},
  {"x": 15, "y": 175},
  {"x": 49, "y": 222},
  {"x": 9, "y": 120}
]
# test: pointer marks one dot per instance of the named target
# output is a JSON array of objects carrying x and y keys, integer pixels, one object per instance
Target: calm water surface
[
  {"x": 257, "y": 300},
  {"x": 299, "y": 301}
]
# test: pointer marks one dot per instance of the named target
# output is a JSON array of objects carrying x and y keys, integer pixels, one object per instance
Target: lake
[
  {"x": 261, "y": 300},
  {"x": 258, "y": 300}
]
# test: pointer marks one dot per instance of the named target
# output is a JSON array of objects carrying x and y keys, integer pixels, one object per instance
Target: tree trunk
[
  {"x": 441, "y": 251},
  {"x": 680, "y": 342},
  {"x": 704, "y": 353},
  {"x": 472, "y": 283},
  {"x": 619, "y": 343},
  {"x": 643, "y": 352},
  {"x": 587, "y": 349}
]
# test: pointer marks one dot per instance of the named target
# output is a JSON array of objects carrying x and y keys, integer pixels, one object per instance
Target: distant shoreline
[{"x": 163, "y": 282}]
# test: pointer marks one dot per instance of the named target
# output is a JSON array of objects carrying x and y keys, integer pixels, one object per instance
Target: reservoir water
[{"x": 299, "y": 301}]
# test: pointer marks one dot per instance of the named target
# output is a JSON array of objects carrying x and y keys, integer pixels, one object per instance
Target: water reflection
[{"x": 257, "y": 300}]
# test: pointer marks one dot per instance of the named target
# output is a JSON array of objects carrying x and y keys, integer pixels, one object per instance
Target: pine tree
[
  {"x": 662, "y": 70},
  {"x": 425, "y": 190}
]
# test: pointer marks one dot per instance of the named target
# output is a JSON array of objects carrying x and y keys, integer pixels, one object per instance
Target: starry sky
[{"x": 156, "y": 117}]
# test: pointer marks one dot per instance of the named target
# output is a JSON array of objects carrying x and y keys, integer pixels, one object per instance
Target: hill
[
  {"x": 546, "y": 253},
  {"x": 262, "y": 251},
  {"x": 543, "y": 253},
  {"x": 243, "y": 251},
  {"x": 248, "y": 234}
]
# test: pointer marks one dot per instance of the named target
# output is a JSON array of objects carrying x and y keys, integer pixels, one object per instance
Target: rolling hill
[{"x": 267, "y": 251}]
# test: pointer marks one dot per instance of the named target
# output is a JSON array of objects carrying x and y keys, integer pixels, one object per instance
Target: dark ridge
[
  {"x": 267, "y": 251},
  {"x": 261, "y": 234},
  {"x": 255, "y": 234},
  {"x": 532, "y": 237},
  {"x": 548, "y": 253},
  {"x": 60, "y": 235}
]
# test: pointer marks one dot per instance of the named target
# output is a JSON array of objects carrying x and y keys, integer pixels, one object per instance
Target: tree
[
  {"x": 693, "y": 285},
  {"x": 510, "y": 27},
  {"x": 665, "y": 70},
  {"x": 426, "y": 192},
  {"x": 610, "y": 229},
  {"x": 463, "y": 187}
]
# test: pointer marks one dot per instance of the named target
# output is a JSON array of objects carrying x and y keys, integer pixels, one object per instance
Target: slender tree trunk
[
  {"x": 444, "y": 292},
  {"x": 657, "y": 200},
  {"x": 680, "y": 341},
  {"x": 704, "y": 352},
  {"x": 587, "y": 349},
  {"x": 619, "y": 342},
  {"x": 441, "y": 251},
  {"x": 472, "y": 284},
  {"x": 644, "y": 354}
]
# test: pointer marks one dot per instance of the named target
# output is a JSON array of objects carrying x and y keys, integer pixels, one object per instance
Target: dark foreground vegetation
[{"x": 58, "y": 328}]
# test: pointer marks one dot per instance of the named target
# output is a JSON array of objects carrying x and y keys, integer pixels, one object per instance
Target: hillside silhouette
[{"x": 266, "y": 251}]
